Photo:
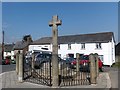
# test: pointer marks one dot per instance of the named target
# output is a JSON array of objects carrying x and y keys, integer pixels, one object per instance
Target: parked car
[
  {"x": 42, "y": 58},
  {"x": 6, "y": 61},
  {"x": 69, "y": 59},
  {"x": 13, "y": 61},
  {"x": 3, "y": 62},
  {"x": 84, "y": 63}
]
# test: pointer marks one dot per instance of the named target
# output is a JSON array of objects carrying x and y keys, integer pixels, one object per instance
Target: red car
[
  {"x": 84, "y": 62},
  {"x": 7, "y": 61}
]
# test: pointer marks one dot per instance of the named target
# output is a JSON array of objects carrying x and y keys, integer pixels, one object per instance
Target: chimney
[{"x": 29, "y": 40}]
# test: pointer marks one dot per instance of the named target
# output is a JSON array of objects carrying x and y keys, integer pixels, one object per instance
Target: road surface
[{"x": 6, "y": 68}]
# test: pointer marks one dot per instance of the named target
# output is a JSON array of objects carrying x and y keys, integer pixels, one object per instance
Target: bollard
[
  {"x": 92, "y": 69},
  {"x": 17, "y": 63},
  {"x": 32, "y": 63},
  {"x": 20, "y": 74},
  {"x": 77, "y": 62},
  {"x": 96, "y": 64}
]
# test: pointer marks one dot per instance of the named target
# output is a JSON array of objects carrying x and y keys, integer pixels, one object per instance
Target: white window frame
[{"x": 101, "y": 58}]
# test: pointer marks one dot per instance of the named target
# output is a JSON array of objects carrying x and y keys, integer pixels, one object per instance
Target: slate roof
[
  {"x": 8, "y": 47},
  {"x": 81, "y": 38},
  {"x": 20, "y": 45}
]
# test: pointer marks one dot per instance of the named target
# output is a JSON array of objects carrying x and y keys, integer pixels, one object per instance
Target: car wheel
[
  {"x": 100, "y": 70},
  {"x": 41, "y": 64}
]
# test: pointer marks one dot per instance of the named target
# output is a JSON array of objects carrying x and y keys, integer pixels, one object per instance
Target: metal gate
[
  {"x": 68, "y": 76},
  {"x": 39, "y": 74}
]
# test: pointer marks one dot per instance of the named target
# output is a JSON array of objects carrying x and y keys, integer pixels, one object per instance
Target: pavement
[
  {"x": 114, "y": 76},
  {"x": 10, "y": 80}
]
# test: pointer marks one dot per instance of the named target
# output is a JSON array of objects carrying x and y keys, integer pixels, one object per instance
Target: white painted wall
[
  {"x": 39, "y": 47},
  {"x": 107, "y": 50},
  {"x": 11, "y": 54}
]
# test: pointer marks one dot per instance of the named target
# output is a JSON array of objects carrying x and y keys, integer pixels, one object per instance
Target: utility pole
[
  {"x": 2, "y": 45},
  {"x": 55, "y": 70}
]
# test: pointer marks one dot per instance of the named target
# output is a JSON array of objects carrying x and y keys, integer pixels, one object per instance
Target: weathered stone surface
[
  {"x": 20, "y": 74},
  {"x": 92, "y": 69},
  {"x": 55, "y": 72},
  {"x": 17, "y": 63}
]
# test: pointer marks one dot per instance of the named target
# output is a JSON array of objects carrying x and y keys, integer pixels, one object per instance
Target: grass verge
[{"x": 117, "y": 64}]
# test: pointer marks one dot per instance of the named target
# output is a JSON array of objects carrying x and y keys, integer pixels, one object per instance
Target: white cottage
[
  {"x": 8, "y": 51},
  {"x": 101, "y": 43}
]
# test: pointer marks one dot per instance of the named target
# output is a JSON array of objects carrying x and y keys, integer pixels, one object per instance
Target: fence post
[
  {"x": 92, "y": 69},
  {"x": 96, "y": 64},
  {"x": 20, "y": 74},
  {"x": 17, "y": 63},
  {"x": 33, "y": 59},
  {"x": 77, "y": 62}
]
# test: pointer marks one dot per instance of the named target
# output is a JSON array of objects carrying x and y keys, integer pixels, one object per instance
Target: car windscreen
[
  {"x": 44, "y": 56},
  {"x": 84, "y": 57}
]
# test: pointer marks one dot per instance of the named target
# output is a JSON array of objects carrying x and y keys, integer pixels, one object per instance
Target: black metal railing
[
  {"x": 40, "y": 74},
  {"x": 68, "y": 75}
]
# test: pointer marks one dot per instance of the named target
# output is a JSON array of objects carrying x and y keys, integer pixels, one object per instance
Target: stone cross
[
  {"x": 55, "y": 21},
  {"x": 55, "y": 70}
]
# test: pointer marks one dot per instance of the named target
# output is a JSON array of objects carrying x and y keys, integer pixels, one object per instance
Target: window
[
  {"x": 71, "y": 55},
  {"x": 83, "y": 46},
  {"x": 69, "y": 46},
  {"x": 101, "y": 58},
  {"x": 59, "y": 46},
  {"x": 44, "y": 48},
  {"x": 59, "y": 55},
  {"x": 98, "y": 46}
]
